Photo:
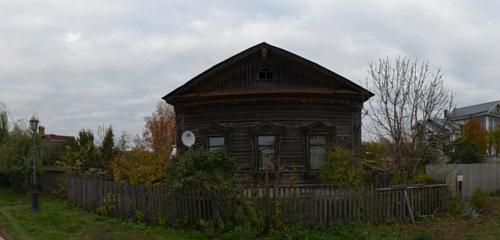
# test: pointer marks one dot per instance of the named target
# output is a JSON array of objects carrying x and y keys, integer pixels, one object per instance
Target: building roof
[
  {"x": 220, "y": 66},
  {"x": 473, "y": 110},
  {"x": 57, "y": 138},
  {"x": 445, "y": 125}
]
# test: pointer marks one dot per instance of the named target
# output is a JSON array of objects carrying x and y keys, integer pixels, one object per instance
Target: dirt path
[{"x": 3, "y": 235}]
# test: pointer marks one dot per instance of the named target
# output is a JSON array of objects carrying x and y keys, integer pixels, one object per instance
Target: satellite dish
[{"x": 188, "y": 138}]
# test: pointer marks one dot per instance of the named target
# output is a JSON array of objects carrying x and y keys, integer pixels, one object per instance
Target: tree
[
  {"x": 145, "y": 162},
  {"x": 123, "y": 142},
  {"x": 406, "y": 92},
  {"x": 107, "y": 147},
  {"x": 4, "y": 125},
  {"x": 16, "y": 152},
  {"x": 476, "y": 134},
  {"x": 139, "y": 166},
  {"x": 493, "y": 137},
  {"x": 463, "y": 151},
  {"x": 159, "y": 132},
  {"x": 88, "y": 150},
  {"x": 82, "y": 154},
  {"x": 375, "y": 151}
]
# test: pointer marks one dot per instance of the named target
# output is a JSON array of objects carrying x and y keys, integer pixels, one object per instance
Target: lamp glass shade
[{"x": 34, "y": 123}]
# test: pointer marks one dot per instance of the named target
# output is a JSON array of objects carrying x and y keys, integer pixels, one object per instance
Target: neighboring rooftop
[
  {"x": 53, "y": 137},
  {"x": 473, "y": 110},
  {"x": 57, "y": 138},
  {"x": 445, "y": 125}
]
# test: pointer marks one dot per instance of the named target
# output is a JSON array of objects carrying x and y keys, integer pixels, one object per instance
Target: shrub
[
  {"x": 479, "y": 199},
  {"x": 427, "y": 156},
  {"x": 16, "y": 152},
  {"x": 341, "y": 168},
  {"x": 470, "y": 213},
  {"x": 247, "y": 223},
  {"x": 455, "y": 207},
  {"x": 139, "y": 166},
  {"x": 106, "y": 207},
  {"x": 201, "y": 169},
  {"x": 423, "y": 178}
]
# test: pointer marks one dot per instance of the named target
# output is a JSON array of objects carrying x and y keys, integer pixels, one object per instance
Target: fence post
[{"x": 408, "y": 206}]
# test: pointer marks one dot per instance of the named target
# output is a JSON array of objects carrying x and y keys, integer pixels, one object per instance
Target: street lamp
[{"x": 35, "y": 205}]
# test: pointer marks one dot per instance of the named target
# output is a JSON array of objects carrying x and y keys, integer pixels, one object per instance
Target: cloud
[{"x": 81, "y": 64}]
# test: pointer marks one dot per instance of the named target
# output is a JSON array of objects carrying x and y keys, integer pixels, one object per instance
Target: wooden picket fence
[{"x": 303, "y": 204}]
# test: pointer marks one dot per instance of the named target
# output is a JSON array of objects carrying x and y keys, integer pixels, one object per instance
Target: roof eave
[{"x": 170, "y": 97}]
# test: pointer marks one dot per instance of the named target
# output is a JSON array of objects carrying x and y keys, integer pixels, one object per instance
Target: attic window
[{"x": 265, "y": 74}]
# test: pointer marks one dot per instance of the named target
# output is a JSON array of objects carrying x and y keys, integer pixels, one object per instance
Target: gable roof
[
  {"x": 473, "y": 110},
  {"x": 220, "y": 66},
  {"x": 444, "y": 125}
]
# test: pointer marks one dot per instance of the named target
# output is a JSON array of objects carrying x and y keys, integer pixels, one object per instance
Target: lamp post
[{"x": 35, "y": 204}]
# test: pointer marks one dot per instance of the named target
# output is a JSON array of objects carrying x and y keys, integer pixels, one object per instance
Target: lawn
[{"x": 58, "y": 220}]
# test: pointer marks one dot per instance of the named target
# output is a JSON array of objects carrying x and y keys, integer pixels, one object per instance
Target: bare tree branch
[{"x": 407, "y": 94}]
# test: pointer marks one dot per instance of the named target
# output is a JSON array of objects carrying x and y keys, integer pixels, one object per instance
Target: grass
[{"x": 58, "y": 220}]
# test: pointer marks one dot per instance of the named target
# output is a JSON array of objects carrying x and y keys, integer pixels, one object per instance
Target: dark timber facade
[{"x": 270, "y": 109}]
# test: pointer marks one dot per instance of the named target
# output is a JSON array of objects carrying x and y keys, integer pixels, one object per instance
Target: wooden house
[
  {"x": 270, "y": 109},
  {"x": 441, "y": 132}
]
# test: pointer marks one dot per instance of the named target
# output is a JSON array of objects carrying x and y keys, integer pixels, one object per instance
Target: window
[
  {"x": 265, "y": 74},
  {"x": 266, "y": 152},
  {"x": 317, "y": 151},
  {"x": 216, "y": 143}
]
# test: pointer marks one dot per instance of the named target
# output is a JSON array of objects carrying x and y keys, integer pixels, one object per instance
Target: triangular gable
[
  {"x": 495, "y": 110},
  {"x": 252, "y": 50}
]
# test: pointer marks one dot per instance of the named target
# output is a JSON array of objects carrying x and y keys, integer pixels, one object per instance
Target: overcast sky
[{"x": 81, "y": 64}]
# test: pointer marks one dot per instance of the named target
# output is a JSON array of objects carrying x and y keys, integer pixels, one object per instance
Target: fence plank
[{"x": 319, "y": 205}]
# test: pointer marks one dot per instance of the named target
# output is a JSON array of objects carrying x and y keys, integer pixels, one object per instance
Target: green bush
[
  {"x": 423, "y": 178},
  {"x": 479, "y": 199},
  {"x": 201, "y": 169},
  {"x": 427, "y": 156},
  {"x": 16, "y": 153},
  {"x": 463, "y": 151},
  {"x": 248, "y": 223},
  {"x": 455, "y": 207},
  {"x": 341, "y": 168}
]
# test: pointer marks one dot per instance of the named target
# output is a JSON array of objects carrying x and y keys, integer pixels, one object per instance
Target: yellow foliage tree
[
  {"x": 160, "y": 129},
  {"x": 474, "y": 132},
  {"x": 139, "y": 166},
  {"x": 145, "y": 164}
]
